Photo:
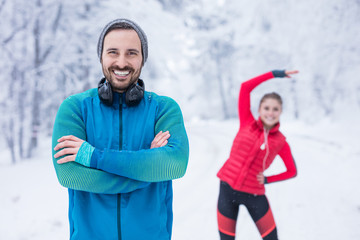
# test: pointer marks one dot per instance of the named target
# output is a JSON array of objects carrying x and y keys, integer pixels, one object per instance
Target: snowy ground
[{"x": 322, "y": 202}]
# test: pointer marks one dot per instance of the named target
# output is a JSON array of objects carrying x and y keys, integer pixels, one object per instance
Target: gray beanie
[{"x": 126, "y": 24}]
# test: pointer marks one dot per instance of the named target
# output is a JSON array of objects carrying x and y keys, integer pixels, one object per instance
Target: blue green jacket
[{"x": 119, "y": 188}]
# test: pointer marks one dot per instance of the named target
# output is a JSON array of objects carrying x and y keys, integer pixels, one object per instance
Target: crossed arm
[
  {"x": 72, "y": 175},
  {"x": 70, "y": 146},
  {"x": 132, "y": 169}
]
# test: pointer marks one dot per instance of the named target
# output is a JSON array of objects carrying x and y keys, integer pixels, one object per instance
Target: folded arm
[
  {"x": 151, "y": 165},
  {"x": 76, "y": 176},
  {"x": 165, "y": 160}
]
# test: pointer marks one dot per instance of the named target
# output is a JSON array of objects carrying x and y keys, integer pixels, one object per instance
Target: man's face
[{"x": 121, "y": 58}]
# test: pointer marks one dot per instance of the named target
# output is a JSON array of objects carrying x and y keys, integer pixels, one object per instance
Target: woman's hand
[
  {"x": 261, "y": 178},
  {"x": 290, "y": 72},
  {"x": 160, "y": 140}
]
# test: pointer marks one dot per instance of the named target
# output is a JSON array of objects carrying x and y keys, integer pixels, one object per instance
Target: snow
[
  {"x": 322, "y": 202},
  {"x": 193, "y": 45}
]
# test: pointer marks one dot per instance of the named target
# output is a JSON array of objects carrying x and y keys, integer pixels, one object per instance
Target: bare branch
[
  {"x": 56, "y": 22},
  {"x": 14, "y": 32},
  {"x": 46, "y": 54}
]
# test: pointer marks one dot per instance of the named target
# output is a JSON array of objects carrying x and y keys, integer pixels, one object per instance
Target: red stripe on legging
[
  {"x": 226, "y": 225},
  {"x": 266, "y": 224},
  {"x": 268, "y": 231}
]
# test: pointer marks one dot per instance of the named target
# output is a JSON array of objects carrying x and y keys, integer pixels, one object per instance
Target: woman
[{"x": 254, "y": 149}]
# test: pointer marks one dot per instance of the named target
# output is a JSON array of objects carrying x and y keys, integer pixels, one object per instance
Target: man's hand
[
  {"x": 160, "y": 140},
  {"x": 69, "y": 146}
]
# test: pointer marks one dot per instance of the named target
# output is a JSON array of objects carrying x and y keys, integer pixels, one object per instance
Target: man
[{"x": 112, "y": 147}]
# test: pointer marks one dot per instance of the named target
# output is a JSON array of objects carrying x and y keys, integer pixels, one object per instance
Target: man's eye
[{"x": 112, "y": 52}]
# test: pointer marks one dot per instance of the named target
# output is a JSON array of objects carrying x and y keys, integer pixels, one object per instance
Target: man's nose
[{"x": 121, "y": 61}]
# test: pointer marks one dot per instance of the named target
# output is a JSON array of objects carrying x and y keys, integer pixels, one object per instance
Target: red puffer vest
[
  {"x": 248, "y": 157},
  {"x": 251, "y": 152}
]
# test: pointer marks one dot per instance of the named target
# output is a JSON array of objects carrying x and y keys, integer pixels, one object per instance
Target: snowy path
[{"x": 322, "y": 202}]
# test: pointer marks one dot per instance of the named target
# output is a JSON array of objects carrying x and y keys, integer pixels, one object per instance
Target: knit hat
[{"x": 127, "y": 24}]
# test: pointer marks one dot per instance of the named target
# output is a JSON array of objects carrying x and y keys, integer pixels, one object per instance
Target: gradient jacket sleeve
[
  {"x": 75, "y": 176},
  {"x": 151, "y": 165}
]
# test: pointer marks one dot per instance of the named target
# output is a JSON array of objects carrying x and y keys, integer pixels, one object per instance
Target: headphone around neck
[{"x": 133, "y": 94}]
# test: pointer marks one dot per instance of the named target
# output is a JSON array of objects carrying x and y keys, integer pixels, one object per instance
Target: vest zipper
[{"x": 120, "y": 148}]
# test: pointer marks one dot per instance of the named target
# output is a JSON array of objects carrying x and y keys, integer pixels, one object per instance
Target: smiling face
[
  {"x": 270, "y": 110},
  {"x": 121, "y": 58}
]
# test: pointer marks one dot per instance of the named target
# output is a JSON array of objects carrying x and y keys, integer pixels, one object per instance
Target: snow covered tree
[{"x": 44, "y": 53}]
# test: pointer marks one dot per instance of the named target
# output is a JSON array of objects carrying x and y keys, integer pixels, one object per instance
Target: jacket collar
[{"x": 117, "y": 98}]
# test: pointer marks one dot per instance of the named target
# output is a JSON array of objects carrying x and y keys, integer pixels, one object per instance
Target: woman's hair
[{"x": 272, "y": 95}]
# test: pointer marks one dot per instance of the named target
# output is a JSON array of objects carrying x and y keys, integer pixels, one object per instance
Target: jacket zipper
[{"x": 120, "y": 148}]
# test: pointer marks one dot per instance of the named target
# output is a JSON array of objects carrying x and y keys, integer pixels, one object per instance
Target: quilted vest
[{"x": 248, "y": 157}]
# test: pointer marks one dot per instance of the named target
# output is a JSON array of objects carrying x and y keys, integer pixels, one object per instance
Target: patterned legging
[{"x": 257, "y": 205}]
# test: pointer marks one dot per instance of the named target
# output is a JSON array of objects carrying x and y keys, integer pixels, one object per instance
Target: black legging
[{"x": 257, "y": 205}]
